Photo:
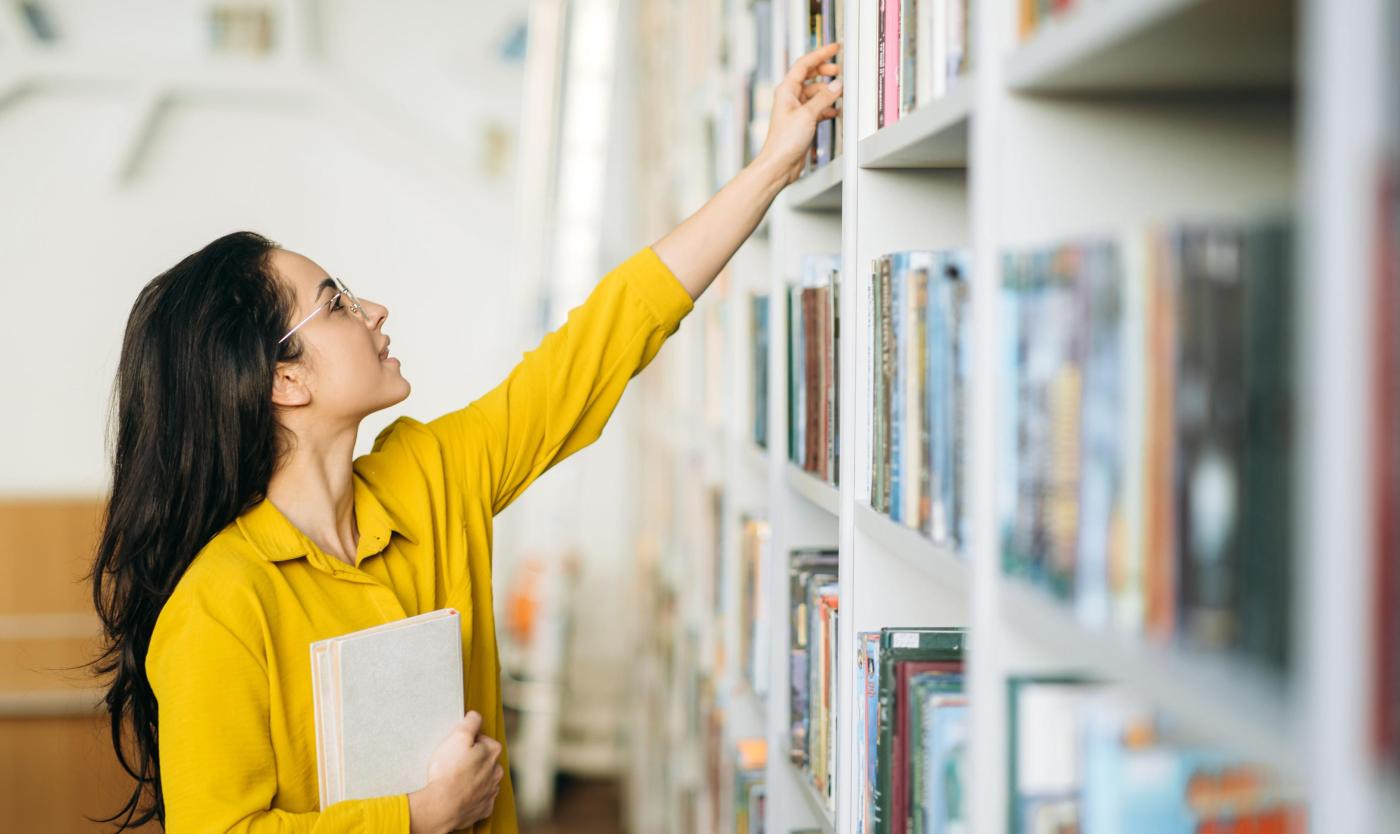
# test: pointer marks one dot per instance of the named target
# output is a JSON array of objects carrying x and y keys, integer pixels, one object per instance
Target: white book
[{"x": 385, "y": 698}]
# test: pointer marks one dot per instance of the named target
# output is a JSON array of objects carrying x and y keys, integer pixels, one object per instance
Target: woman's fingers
[
  {"x": 823, "y": 99},
  {"x": 809, "y": 63}
]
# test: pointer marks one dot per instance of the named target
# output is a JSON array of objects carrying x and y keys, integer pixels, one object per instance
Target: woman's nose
[{"x": 378, "y": 313}]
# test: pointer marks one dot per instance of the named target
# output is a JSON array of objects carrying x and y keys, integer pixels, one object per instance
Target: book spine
[
  {"x": 880, "y": 65},
  {"x": 892, "y": 60},
  {"x": 887, "y": 360},
  {"x": 898, "y": 430}
]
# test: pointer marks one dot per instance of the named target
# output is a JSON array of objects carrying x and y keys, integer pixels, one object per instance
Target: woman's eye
[{"x": 335, "y": 304}]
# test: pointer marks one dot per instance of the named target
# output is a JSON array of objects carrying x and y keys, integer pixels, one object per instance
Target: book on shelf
[
  {"x": 384, "y": 698},
  {"x": 759, "y": 340},
  {"x": 919, "y": 359},
  {"x": 755, "y": 540},
  {"x": 814, "y": 331},
  {"x": 824, "y": 26},
  {"x": 760, "y": 81},
  {"x": 923, "y": 48},
  {"x": 907, "y": 731},
  {"x": 813, "y": 598},
  {"x": 750, "y": 761},
  {"x": 1386, "y": 454},
  {"x": 1145, "y": 431},
  {"x": 1033, "y": 15},
  {"x": 1086, "y": 758}
]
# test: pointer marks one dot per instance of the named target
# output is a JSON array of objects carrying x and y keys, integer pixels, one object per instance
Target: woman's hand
[
  {"x": 463, "y": 781},
  {"x": 697, "y": 249},
  {"x": 797, "y": 108}
]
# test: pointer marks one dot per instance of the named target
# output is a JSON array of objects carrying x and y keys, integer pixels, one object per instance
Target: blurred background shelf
[
  {"x": 818, "y": 492},
  {"x": 1255, "y": 719},
  {"x": 1160, "y": 45}
]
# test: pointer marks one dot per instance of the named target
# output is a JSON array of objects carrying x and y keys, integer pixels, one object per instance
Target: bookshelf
[{"x": 1115, "y": 115}]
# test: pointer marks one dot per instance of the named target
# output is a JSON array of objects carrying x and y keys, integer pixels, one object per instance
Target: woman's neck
[{"x": 315, "y": 489}]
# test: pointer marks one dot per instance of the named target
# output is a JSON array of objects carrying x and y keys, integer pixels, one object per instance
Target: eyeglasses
[{"x": 345, "y": 291}]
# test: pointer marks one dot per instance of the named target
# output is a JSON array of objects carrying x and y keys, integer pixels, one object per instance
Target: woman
[{"x": 239, "y": 529}]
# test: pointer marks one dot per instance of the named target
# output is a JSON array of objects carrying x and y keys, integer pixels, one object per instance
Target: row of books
[
  {"x": 910, "y": 732},
  {"x": 824, "y": 26},
  {"x": 814, "y": 602},
  {"x": 754, "y": 542},
  {"x": 924, "y": 48},
  {"x": 750, "y": 786},
  {"x": 1086, "y": 758},
  {"x": 1146, "y": 440},
  {"x": 759, "y": 341},
  {"x": 241, "y": 29},
  {"x": 814, "y": 341},
  {"x": 1031, "y": 15},
  {"x": 919, "y": 359},
  {"x": 758, "y": 85}
]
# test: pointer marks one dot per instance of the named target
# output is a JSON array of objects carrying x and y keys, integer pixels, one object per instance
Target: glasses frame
[{"x": 343, "y": 290}]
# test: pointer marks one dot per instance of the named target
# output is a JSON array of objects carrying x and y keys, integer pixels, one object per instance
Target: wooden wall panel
[
  {"x": 56, "y": 758},
  {"x": 46, "y": 546},
  {"x": 55, "y": 770}
]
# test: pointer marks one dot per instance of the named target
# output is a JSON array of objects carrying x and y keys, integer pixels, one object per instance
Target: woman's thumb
[{"x": 471, "y": 724}]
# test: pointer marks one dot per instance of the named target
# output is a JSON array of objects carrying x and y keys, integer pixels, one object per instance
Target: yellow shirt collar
[{"x": 277, "y": 539}]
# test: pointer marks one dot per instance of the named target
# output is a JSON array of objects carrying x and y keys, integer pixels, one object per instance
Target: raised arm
[
  {"x": 560, "y": 395},
  {"x": 698, "y": 248}
]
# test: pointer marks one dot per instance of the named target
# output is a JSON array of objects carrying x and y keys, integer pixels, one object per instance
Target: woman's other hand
[
  {"x": 463, "y": 781},
  {"x": 799, "y": 104}
]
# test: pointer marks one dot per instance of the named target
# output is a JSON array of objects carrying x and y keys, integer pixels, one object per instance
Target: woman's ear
[{"x": 289, "y": 388}]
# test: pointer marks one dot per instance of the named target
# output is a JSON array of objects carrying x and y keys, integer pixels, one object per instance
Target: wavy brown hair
[{"x": 196, "y": 442}]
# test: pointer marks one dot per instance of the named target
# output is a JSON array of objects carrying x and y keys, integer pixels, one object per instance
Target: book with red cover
[{"x": 899, "y": 784}]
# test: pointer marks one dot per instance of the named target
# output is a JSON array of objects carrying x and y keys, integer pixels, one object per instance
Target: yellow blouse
[{"x": 229, "y": 660}]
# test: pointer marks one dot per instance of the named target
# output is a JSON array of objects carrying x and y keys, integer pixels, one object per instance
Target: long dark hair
[{"x": 196, "y": 442}]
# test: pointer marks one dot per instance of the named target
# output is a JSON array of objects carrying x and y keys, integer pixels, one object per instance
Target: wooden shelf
[
  {"x": 1218, "y": 697},
  {"x": 1160, "y": 45},
  {"x": 818, "y": 190},
  {"x": 933, "y": 137},
  {"x": 939, "y": 562},
  {"x": 812, "y": 488}
]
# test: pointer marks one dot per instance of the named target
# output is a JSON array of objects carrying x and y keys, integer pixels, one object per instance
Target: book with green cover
[{"x": 899, "y": 645}]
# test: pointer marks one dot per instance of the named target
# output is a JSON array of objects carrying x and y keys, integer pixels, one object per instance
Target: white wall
[{"x": 402, "y": 203}]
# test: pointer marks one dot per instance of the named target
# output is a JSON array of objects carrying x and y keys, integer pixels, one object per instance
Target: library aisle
[{"x": 1033, "y": 468}]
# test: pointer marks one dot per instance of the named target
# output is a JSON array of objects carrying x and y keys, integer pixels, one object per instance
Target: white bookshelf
[{"x": 1124, "y": 112}]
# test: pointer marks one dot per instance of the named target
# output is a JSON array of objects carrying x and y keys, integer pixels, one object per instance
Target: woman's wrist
[
  {"x": 424, "y": 814},
  {"x": 774, "y": 174}
]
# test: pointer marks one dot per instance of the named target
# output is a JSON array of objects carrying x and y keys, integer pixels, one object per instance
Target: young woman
[{"x": 239, "y": 528}]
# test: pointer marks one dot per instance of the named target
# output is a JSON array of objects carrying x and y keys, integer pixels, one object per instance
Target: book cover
[
  {"x": 866, "y": 727},
  {"x": 887, "y": 365},
  {"x": 384, "y": 698},
  {"x": 942, "y": 676},
  {"x": 899, "y": 362},
  {"x": 1102, "y": 526},
  {"x": 896, "y": 646},
  {"x": 945, "y": 731},
  {"x": 1210, "y": 428},
  {"x": 893, "y": 60},
  {"x": 1264, "y": 575}
]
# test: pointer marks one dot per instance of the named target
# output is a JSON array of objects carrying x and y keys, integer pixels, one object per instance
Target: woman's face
[{"x": 347, "y": 371}]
